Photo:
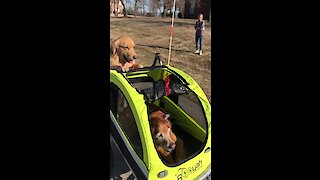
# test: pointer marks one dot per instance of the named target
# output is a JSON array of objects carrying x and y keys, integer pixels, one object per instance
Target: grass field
[{"x": 151, "y": 35}]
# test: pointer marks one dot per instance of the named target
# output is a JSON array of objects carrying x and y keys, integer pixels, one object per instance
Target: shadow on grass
[
  {"x": 157, "y": 46},
  {"x": 122, "y": 16},
  {"x": 158, "y": 22},
  {"x": 168, "y": 23}
]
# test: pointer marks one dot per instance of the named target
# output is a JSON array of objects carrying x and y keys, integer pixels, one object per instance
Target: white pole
[{"x": 171, "y": 30}]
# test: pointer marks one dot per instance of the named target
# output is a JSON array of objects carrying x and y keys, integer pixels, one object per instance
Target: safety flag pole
[{"x": 171, "y": 30}]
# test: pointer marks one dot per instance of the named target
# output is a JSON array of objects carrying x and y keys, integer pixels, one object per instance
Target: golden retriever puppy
[
  {"x": 123, "y": 54},
  {"x": 165, "y": 140}
]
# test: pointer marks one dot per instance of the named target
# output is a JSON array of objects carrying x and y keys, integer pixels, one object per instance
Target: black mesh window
[
  {"x": 123, "y": 113},
  {"x": 191, "y": 104}
]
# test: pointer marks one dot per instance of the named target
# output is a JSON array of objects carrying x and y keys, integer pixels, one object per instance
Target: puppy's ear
[
  {"x": 153, "y": 130},
  {"x": 115, "y": 46}
]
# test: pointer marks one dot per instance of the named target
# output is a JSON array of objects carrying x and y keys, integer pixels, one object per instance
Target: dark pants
[{"x": 199, "y": 38}]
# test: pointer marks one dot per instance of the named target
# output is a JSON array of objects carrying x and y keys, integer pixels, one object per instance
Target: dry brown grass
[{"x": 151, "y": 35}]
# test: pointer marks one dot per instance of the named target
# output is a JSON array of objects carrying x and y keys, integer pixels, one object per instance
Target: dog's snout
[
  {"x": 172, "y": 145},
  {"x": 135, "y": 57}
]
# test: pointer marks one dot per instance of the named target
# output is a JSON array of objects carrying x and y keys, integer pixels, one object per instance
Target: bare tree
[
  {"x": 167, "y": 4},
  {"x": 116, "y": 7},
  {"x": 161, "y": 5},
  {"x": 158, "y": 4},
  {"x": 143, "y": 4},
  {"x": 152, "y": 7},
  {"x": 136, "y": 5},
  {"x": 180, "y": 4},
  {"x": 124, "y": 9}
]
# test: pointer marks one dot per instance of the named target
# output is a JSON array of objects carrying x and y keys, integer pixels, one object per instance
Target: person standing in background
[{"x": 199, "y": 27}]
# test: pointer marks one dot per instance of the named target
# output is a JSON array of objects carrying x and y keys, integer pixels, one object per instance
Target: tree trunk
[
  {"x": 124, "y": 9},
  {"x": 164, "y": 12},
  {"x": 135, "y": 7},
  {"x": 116, "y": 4},
  {"x": 143, "y": 7},
  {"x": 159, "y": 9}
]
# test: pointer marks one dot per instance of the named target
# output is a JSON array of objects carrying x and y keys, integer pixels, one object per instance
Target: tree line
[{"x": 150, "y": 7}]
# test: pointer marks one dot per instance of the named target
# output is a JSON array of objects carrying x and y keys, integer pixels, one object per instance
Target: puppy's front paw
[
  {"x": 163, "y": 152},
  {"x": 124, "y": 69},
  {"x": 137, "y": 66}
]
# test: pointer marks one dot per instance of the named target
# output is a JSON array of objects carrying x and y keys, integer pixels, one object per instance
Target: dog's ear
[
  {"x": 115, "y": 46},
  {"x": 153, "y": 129}
]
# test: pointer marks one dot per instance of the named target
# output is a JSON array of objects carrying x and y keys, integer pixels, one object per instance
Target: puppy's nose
[
  {"x": 172, "y": 145},
  {"x": 134, "y": 57}
]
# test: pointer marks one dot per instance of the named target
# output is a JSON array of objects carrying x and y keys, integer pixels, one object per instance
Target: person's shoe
[
  {"x": 197, "y": 51},
  {"x": 200, "y": 53}
]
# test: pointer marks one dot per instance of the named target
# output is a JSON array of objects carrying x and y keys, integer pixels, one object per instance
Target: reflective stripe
[{"x": 135, "y": 158}]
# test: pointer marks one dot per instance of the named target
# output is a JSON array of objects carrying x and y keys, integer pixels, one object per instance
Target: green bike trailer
[{"x": 190, "y": 114}]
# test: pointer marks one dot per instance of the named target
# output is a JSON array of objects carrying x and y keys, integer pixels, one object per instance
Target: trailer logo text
[{"x": 184, "y": 172}]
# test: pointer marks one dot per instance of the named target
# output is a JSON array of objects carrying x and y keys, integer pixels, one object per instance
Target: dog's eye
[
  {"x": 159, "y": 135},
  {"x": 165, "y": 116}
]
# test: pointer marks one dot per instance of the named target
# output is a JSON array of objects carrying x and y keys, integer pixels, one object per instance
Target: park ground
[{"x": 151, "y": 35}]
